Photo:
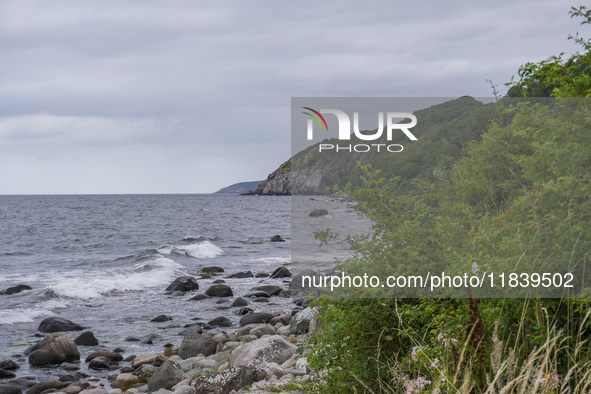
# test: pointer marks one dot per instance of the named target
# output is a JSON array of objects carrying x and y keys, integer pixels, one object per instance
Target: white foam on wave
[
  {"x": 28, "y": 315},
  {"x": 269, "y": 260},
  {"x": 201, "y": 250},
  {"x": 151, "y": 273}
]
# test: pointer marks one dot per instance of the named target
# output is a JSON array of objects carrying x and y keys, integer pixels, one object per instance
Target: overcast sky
[{"x": 190, "y": 96}]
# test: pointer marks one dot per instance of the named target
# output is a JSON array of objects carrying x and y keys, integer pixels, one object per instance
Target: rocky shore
[{"x": 266, "y": 352}]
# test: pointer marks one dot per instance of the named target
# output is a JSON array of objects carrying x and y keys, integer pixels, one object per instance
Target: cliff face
[{"x": 277, "y": 183}]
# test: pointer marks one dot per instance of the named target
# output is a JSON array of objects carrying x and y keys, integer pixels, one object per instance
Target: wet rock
[
  {"x": 212, "y": 270},
  {"x": 262, "y": 275},
  {"x": 47, "y": 385},
  {"x": 58, "y": 324},
  {"x": 277, "y": 238},
  {"x": 269, "y": 349},
  {"x": 161, "y": 318},
  {"x": 257, "y": 293},
  {"x": 195, "y": 344},
  {"x": 218, "y": 281},
  {"x": 99, "y": 363},
  {"x": 8, "y": 365},
  {"x": 318, "y": 212},
  {"x": 281, "y": 272},
  {"x": 239, "y": 302},
  {"x": 219, "y": 291},
  {"x": 240, "y": 275},
  {"x": 220, "y": 322},
  {"x": 184, "y": 283},
  {"x": 256, "y": 318},
  {"x": 16, "y": 289},
  {"x": 4, "y": 374},
  {"x": 243, "y": 311},
  {"x": 132, "y": 339},
  {"x": 53, "y": 349},
  {"x": 199, "y": 297},
  {"x": 269, "y": 289},
  {"x": 87, "y": 338},
  {"x": 9, "y": 389},
  {"x": 195, "y": 328},
  {"x": 260, "y": 299},
  {"x": 168, "y": 375},
  {"x": 151, "y": 338},
  {"x": 112, "y": 356}
]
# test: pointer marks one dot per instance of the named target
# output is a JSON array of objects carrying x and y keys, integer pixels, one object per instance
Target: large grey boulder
[
  {"x": 269, "y": 349},
  {"x": 53, "y": 349},
  {"x": 219, "y": 291},
  {"x": 300, "y": 323},
  {"x": 168, "y": 375},
  {"x": 256, "y": 318},
  {"x": 195, "y": 344},
  {"x": 184, "y": 283},
  {"x": 224, "y": 382}
]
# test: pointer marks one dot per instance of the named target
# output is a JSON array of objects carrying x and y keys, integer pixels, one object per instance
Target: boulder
[
  {"x": 269, "y": 289},
  {"x": 112, "y": 356},
  {"x": 212, "y": 270},
  {"x": 300, "y": 323},
  {"x": 184, "y": 283},
  {"x": 124, "y": 380},
  {"x": 262, "y": 329},
  {"x": 99, "y": 363},
  {"x": 10, "y": 389},
  {"x": 58, "y": 324},
  {"x": 243, "y": 274},
  {"x": 168, "y": 375},
  {"x": 199, "y": 297},
  {"x": 87, "y": 338},
  {"x": 194, "y": 344},
  {"x": 161, "y": 318},
  {"x": 47, "y": 385},
  {"x": 16, "y": 289},
  {"x": 142, "y": 359},
  {"x": 231, "y": 379},
  {"x": 4, "y": 374},
  {"x": 218, "y": 281},
  {"x": 281, "y": 272},
  {"x": 318, "y": 212},
  {"x": 277, "y": 238},
  {"x": 8, "y": 365},
  {"x": 220, "y": 322},
  {"x": 283, "y": 319},
  {"x": 257, "y": 293},
  {"x": 256, "y": 318},
  {"x": 53, "y": 349},
  {"x": 243, "y": 311},
  {"x": 239, "y": 302},
  {"x": 219, "y": 291},
  {"x": 269, "y": 349}
]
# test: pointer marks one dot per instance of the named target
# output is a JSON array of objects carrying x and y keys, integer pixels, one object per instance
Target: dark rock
[
  {"x": 270, "y": 289},
  {"x": 118, "y": 350},
  {"x": 243, "y": 311},
  {"x": 4, "y": 374},
  {"x": 260, "y": 299},
  {"x": 262, "y": 275},
  {"x": 53, "y": 349},
  {"x": 159, "y": 360},
  {"x": 277, "y": 238},
  {"x": 9, "y": 365},
  {"x": 87, "y": 338},
  {"x": 240, "y": 275},
  {"x": 219, "y": 291},
  {"x": 220, "y": 322},
  {"x": 212, "y": 270},
  {"x": 184, "y": 283},
  {"x": 112, "y": 356},
  {"x": 69, "y": 367},
  {"x": 10, "y": 389},
  {"x": 161, "y": 318},
  {"x": 257, "y": 293},
  {"x": 281, "y": 272},
  {"x": 199, "y": 297},
  {"x": 229, "y": 380},
  {"x": 150, "y": 338},
  {"x": 132, "y": 339},
  {"x": 196, "y": 328},
  {"x": 168, "y": 375},
  {"x": 16, "y": 289},
  {"x": 256, "y": 318},
  {"x": 58, "y": 324},
  {"x": 195, "y": 344},
  {"x": 218, "y": 281},
  {"x": 283, "y": 319},
  {"x": 48, "y": 384},
  {"x": 318, "y": 212},
  {"x": 239, "y": 302},
  {"x": 99, "y": 363}
]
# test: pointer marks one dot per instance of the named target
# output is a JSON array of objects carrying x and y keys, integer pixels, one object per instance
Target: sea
[{"x": 104, "y": 262}]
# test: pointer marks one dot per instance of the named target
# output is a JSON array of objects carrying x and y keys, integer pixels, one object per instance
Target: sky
[{"x": 174, "y": 96}]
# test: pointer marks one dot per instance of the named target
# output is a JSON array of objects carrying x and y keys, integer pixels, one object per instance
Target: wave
[
  {"x": 200, "y": 250},
  {"x": 150, "y": 273},
  {"x": 269, "y": 260},
  {"x": 28, "y": 315}
]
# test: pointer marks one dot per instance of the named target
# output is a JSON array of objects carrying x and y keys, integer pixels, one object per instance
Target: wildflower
[
  {"x": 552, "y": 380},
  {"x": 434, "y": 362},
  {"x": 414, "y": 352},
  {"x": 475, "y": 268}
]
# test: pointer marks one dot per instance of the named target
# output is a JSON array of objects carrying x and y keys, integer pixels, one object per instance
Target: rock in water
[
  {"x": 53, "y": 349},
  {"x": 195, "y": 344},
  {"x": 8, "y": 365},
  {"x": 161, "y": 318},
  {"x": 241, "y": 275},
  {"x": 318, "y": 212},
  {"x": 58, "y": 324},
  {"x": 256, "y": 318},
  {"x": 168, "y": 375},
  {"x": 184, "y": 283},
  {"x": 270, "y": 349},
  {"x": 281, "y": 272},
  {"x": 9, "y": 389},
  {"x": 220, "y": 322},
  {"x": 212, "y": 270},
  {"x": 16, "y": 289},
  {"x": 87, "y": 338},
  {"x": 219, "y": 291},
  {"x": 277, "y": 238},
  {"x": 239, "y": 302},
  {"x": 269, "y": 289}
]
